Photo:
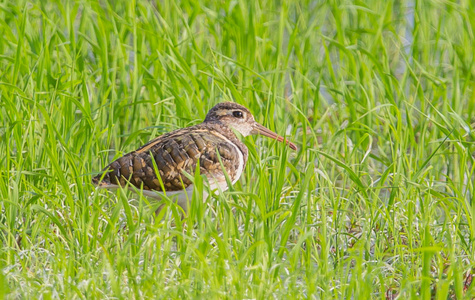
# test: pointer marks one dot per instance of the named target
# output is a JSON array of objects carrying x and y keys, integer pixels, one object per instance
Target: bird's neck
[{"x": 228, "y": 132}]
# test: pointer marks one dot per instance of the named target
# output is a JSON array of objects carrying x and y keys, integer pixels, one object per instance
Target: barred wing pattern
[{"x": 174, "y": 153}]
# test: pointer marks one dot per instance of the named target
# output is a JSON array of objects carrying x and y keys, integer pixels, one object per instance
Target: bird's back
[{"x": 177, "y": 152}]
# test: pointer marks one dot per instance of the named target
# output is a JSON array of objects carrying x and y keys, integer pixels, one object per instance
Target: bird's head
[{"x": 239, "y": 118}]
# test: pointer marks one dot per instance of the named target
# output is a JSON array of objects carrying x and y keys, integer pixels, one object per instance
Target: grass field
[{"x": 378, "y": 202}]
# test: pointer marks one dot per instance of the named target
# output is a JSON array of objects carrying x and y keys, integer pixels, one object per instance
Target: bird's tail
[{"x": 102, "y": 180}]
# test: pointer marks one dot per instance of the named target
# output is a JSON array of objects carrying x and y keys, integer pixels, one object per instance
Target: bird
[{"x": 212, "y": 145}]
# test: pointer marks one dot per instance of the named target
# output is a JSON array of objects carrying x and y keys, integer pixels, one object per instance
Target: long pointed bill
[{"x": 259, "y": 129}]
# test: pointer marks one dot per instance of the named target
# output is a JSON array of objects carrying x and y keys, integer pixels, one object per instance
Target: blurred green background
[{"x": 378, "y": 202}]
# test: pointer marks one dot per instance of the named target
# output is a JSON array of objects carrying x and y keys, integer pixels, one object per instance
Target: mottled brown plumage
[
  {"x": 177, "y": 152},
  {"x": 173, "y": 153}
]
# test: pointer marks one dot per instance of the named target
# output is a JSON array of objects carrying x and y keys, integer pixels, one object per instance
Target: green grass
[{"x": 378, "y": 200}]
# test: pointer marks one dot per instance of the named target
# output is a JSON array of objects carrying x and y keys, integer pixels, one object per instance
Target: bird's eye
[{"x": 238, "y": 114}]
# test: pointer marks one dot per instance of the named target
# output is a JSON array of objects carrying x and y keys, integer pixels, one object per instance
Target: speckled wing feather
[{"x": 174, "y": 153}]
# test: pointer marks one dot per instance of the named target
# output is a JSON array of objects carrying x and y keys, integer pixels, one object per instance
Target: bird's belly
[{"x": 182, "y": 197}]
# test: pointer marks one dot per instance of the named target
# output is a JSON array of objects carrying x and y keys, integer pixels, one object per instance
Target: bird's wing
[{"x": 172, "y": 154}]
